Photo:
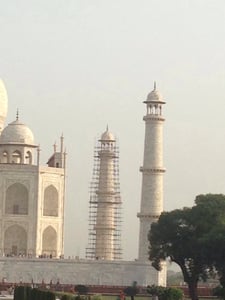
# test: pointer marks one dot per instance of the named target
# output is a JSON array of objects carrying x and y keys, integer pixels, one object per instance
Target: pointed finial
[
  {"x": 17, "y": 114},
  {"x": 107, "y": 127},
  {"x": 154, "y": 85},
  {"x": 55, "y": 147},
  {"x": 62, "y": 139}
]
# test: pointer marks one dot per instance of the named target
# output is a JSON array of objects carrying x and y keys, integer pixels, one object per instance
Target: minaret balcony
[
  {"x": 152, "y": 170},
  {"x": 147, "y": 216},
  {"x": 151, "y": 117}
]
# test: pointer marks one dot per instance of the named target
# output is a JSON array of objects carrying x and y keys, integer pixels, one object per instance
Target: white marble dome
[
  {"x": 3, "y": 103},
  {"x": 154, "y": 96},
  {"x": 17, "y": 133},
  {"x": 107, "y": 136}
]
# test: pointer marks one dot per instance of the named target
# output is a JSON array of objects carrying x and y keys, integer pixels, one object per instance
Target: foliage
[
  {"x": 19, "y": 293},
  {"x": 155, "y": 290},
  {"x": 68, "y": 297},
  {"x": 26, "y": 293},
  {"x": 164, "y": 293},
  {"x": 219, "y": 292},
  {"x": 81, "y": 289},
  {"x": 172, "y": 294},
  {"x": 50, "y": 295},
  {"x": 214, "y": 241},
  {"x": 185, "y": 237},
  {"x": 96, "y": 297}
]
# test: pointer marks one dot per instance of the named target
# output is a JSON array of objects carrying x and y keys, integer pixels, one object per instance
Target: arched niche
[
  {"x": 16, "y": 157},
  {"x": 16, "y": 201},
  {"x": 5, "y": 157},
  {"x": 49, "y": 242},
  {"x": 28, "y": 158},
  {"x": 51, "y": 201},
  {"x": 15, "y": 241}
]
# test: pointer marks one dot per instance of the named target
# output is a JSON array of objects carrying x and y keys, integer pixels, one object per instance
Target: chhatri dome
[
  {"x": 107, "y": 136},
  {"x": 3, "y": 104},
  {"x": 17, "y": 133},
  {"x": 154, "y": 96}
]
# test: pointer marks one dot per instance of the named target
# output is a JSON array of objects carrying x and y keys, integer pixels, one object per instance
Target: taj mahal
[{"x": 32, "y": 200}]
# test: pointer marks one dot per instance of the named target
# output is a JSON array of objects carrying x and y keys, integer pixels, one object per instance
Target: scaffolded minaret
[
  {"x": 152, "y": 170},
  {"x": 105, "y": 202}
]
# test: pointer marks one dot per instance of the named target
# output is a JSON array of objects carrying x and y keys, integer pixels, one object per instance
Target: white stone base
[{"x": 79, "y": 271}]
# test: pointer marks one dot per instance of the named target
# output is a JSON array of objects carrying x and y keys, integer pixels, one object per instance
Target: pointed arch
[
  {"x": 28, "y": 158},
  {"x": 49, "y": 242},
  {"x": 16, "y": 202},
  {"x": 15, "y": 241},
  {"x": 16, "y": 157},
  {"x": 5, "y": 157},
  {"x": 51, "y": 201}
]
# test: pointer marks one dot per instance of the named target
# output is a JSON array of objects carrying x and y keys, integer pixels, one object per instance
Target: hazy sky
[{"x": 74, "y": 66}]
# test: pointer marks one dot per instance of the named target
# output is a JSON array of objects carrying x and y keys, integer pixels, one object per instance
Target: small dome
[
  {"x": 107, "y": 136},
  {"x": 154, "y": 96},
  {"x": 17, "y": 133}
]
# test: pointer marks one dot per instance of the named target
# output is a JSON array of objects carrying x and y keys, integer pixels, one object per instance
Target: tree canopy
[{"x": 189, "y": 237}]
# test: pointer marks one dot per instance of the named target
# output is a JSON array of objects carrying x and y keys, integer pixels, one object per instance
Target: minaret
[
  {"x": 152, "y": 170},
  {"x": 105, "y": 202}
]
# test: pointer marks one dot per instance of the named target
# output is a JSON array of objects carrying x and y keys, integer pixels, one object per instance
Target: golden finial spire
[{"x": 17, "y": 114}]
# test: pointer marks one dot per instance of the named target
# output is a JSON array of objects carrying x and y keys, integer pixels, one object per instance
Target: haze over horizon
[{"x": 73, "y": 67}]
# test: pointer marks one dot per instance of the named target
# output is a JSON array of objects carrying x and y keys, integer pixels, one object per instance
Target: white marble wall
[
  {"x": 89, "y": 272},
  {"x": 35, "y": 179}
]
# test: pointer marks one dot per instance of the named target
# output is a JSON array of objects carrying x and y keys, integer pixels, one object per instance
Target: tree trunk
[{"x": 193, "y": 291}]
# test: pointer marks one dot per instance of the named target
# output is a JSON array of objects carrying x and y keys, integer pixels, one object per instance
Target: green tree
[
  {"x": 213, "y": 206},
  {"x": 174, "y": 237},
  {"x": 183, "y": 236}
]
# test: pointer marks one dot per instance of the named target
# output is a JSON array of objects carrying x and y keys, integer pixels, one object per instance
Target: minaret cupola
[{"x": 154, "y": 102}]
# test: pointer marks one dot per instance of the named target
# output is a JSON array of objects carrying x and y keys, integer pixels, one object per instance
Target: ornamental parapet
[
  {"x": 106, "y": 193},
  {"x": 104, "y": 227},
  {"x": 147, "y": 216},
  {"x": 105, "y": 202},
  {"x": 152, "y": 170},
  {"x": 107, "y": 153},
  {"x": 153, "y": 118}
]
